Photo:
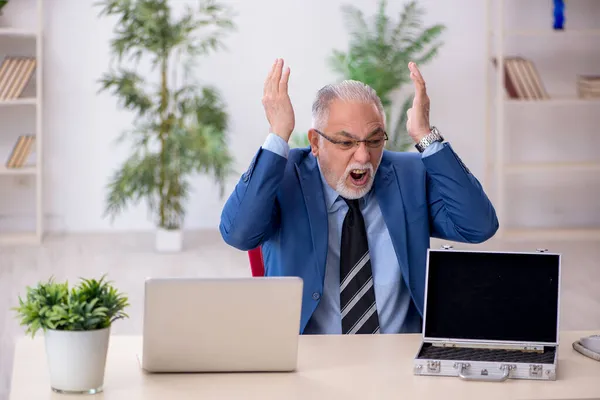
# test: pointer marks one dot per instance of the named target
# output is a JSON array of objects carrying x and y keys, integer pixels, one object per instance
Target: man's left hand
[{"x": 417, "y": 124}]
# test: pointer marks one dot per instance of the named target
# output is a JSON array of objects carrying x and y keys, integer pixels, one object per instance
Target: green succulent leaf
[{"x": 90, "y": 305}]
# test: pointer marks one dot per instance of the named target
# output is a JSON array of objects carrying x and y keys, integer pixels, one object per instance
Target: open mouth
[{"x": 359, "y": 176}]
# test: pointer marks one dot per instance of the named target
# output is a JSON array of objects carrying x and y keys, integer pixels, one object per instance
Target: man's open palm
[
  {"x": 276, "y": 101},
  {"x": 417, "y": 124}
]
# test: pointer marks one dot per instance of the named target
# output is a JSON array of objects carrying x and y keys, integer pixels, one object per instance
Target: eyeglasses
[{"x": 348, "y": 144}]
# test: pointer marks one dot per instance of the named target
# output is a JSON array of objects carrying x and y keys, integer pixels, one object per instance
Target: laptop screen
[{"x": 492, "y": 296}]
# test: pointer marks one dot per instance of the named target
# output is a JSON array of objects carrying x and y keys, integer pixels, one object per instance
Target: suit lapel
[
  {"x": 389, "y": 197},
  {"x": 312, "y": 190}
]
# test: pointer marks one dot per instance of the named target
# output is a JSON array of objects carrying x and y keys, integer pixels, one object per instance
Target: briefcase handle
[{"x": 484, "y": 375}]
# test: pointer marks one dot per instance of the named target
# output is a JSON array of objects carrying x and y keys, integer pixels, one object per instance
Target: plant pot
[
  {"x": 77, "y": 360},
  {"x": 169, "y": 240}
]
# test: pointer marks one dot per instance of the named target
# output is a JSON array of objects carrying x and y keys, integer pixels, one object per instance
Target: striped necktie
[{"x": 357, "y": 294}]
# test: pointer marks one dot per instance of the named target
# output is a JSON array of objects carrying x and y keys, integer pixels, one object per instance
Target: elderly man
[{"x": 353, "y": 220}]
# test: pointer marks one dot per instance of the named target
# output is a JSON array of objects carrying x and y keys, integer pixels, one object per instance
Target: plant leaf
[
  {"x": 179, "y": 126},
  {"x": 378, "y": 53},
  {"x": 93, "y": 304}
]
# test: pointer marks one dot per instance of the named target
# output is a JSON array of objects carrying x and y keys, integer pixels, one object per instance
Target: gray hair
[{"x": 348, "y": 90}]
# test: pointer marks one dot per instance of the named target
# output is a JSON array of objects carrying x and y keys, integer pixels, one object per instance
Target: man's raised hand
[
  {"x": 276, "y": 101},
  {"x": 417, "y": 124}
]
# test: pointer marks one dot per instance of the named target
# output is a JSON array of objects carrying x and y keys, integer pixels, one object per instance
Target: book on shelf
[
  {"x": 588, "y": 86},
  {"x": 21, "y": 152},
  {"x": 15, "y": 74},
  {"x": 522, "y": 80}
]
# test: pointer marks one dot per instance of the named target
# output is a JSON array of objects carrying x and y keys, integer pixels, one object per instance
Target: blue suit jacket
[{"x": 279, "y": 204}]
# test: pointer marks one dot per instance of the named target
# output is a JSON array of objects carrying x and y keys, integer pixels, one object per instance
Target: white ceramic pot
[
  {"x": 77, "y": 360},
  {"x": 169, "y": 240}
]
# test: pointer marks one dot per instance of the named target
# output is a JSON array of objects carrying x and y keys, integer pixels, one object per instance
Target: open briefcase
[{"x": 490, "y": 316}]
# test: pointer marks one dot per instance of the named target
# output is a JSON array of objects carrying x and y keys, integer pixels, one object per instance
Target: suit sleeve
[
  {"x": 459, "y": 208},
  {"x": 251, "y": 213}
]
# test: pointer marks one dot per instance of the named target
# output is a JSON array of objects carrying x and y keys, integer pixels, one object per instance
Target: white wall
[{"x": 80, "y": 125}]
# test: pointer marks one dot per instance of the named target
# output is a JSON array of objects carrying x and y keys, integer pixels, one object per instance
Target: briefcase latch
[
  {"x": 433, "y": 366},
  {"x": 535, "y": 370}
]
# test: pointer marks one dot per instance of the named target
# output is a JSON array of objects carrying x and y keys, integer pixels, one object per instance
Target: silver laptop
[{"x": 221, "y": 324}]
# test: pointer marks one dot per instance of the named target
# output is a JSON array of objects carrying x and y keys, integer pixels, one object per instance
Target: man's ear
[{"x": 313, "y": 138}]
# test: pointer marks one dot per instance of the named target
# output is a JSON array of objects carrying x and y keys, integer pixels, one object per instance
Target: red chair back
[{"x": 257, "y": 265}]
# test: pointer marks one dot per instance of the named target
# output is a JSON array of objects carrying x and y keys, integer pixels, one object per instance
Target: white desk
[{"x": 330, "y": 367}]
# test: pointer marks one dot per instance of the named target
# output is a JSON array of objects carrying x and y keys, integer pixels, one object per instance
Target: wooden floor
[{"x": 129, "y": 259}]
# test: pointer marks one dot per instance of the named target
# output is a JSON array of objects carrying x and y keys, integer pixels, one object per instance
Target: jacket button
[{"x": 316, "y": 296}]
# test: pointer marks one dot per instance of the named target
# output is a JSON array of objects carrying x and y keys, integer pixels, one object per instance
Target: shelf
[
  {"x": 18, "y": 171},
  {"x": 559, "y": 194},
  {"x": 554, "y": 167},
  {"x": 18, "y": 102},
  {"x": 554, "y": 101},
  {"x": 23, "y": 39},
  {"x": 16, "y": 32},
  {"x": 550, "y": 234},
  {"x": 551, "y": 32},
  {"x": 12, "y": 239}
]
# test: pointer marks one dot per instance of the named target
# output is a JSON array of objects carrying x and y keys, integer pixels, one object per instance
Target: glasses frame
[{"x": 355, "y": 142}]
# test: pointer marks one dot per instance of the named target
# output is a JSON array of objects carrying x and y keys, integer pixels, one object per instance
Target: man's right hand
[{"x": 276, "y": 101}]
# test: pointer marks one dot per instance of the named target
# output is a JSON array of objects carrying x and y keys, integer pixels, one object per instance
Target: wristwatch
[{"x": 433, "y": 136}]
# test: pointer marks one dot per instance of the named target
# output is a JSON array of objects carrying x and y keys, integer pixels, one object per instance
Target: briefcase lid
[{"x": 492, "y": 297}]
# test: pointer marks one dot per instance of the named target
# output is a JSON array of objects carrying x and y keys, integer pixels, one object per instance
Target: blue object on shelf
[{"x": 559, "y": 14}]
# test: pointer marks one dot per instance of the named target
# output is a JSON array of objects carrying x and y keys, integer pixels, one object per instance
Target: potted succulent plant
[{"x": 76, "y": 323}]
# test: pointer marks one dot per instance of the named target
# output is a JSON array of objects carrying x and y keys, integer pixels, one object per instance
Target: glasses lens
[
  {"x": 375, "y": 143},
  {"x": 346, "y": 144}
]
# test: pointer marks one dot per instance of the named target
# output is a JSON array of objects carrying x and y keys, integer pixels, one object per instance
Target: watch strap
[{"x": 433, "y": 136}]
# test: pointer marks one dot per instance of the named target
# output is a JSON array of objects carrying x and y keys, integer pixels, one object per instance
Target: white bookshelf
[
  {"x": 500, "y": 170},
  {"x": 29, "y": 104},
  {"x": 17, "y": 32},
  {"x": 26, "y": 101},
  {"x": 550, "y": 33}
]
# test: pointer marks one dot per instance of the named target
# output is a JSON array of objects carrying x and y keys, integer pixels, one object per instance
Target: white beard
[{"x": 353, "y": 193}]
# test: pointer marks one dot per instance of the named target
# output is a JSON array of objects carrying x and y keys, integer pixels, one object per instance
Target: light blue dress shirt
[{"x": 392, "y": 296}]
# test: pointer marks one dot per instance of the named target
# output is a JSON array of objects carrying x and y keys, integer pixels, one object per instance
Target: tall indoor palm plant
[
  {"x": 2, "y": 4},
  {"x": 180, "y": 127},
  {"x": 379, "y": 53}
]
